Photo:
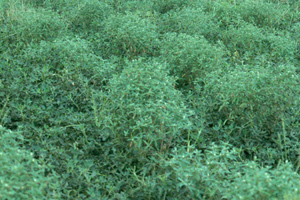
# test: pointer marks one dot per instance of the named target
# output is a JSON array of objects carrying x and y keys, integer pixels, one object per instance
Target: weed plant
[
  {"x": 172, "y": 99},
  {"x": 22, "y": 177}
]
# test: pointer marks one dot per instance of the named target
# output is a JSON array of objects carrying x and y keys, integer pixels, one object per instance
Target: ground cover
[{"x": 173, "y": 99}]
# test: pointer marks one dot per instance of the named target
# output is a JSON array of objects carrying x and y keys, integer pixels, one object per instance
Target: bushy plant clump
[
  {"x": 21, "y": 176},
  {"x": 238, "y": 25},
  {"x": 251, "y": 45},
  {"x": 149, "y": 99},
  {"x": 56, "y": 73},
  {"x": 295, "y": 33},
  {"x": 145, "y": 106},
  {"x": 127, "y": 34},
  {"x": 191, "y": 57},
  {"x": 218, "y": 173},
  {"x": 192, "y": 21},
  {"x": 260, "y": 13},
  {"x": 254, "y": 182},
  {"x": 255, "y": 104},
  {"x": 52, "y": 103},
  {"x": 68, "y": 58},
  {"x": 169, "y": 5},
  {"x": 83, "y": 16},
  {"x": 23, "y": 25}
]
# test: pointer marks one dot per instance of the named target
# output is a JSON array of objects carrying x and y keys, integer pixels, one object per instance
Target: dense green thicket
[
  {"x": 21, "y": 176},
  {"x": 173, "y": 99}
]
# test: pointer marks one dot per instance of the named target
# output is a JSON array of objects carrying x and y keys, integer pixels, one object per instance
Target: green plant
[
  {"x": 191, "y": 21},
  {"x": 256, "y": 105},
  {"x": 218, "y": 172},
  {"x": 262, "y": 13},
  {"x": 21, "y": 176},
  {"x": 254, "y": 182},
  {"x": 249, "y": 44},
  {"x": 127, "y": 34},
  {"x": 154, "y": 99},
  {"x": 145, "y": 109},
  {"x": 52, "y": 107},
  {"x": 190, "y": 57},
  {"x": 169, "y": 5},
  {"x": 25, "y": 25},
  {"x": 86, "y": 16},
  {"x": 194, "y": 174}
]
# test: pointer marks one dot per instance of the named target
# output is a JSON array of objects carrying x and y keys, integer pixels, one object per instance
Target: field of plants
[{"x": 150, "y": 99}]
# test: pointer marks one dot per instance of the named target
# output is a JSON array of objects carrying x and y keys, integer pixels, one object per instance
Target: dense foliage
[
  {"x": 136, "y": 99},
  {"x": 21, "y": 176}
]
